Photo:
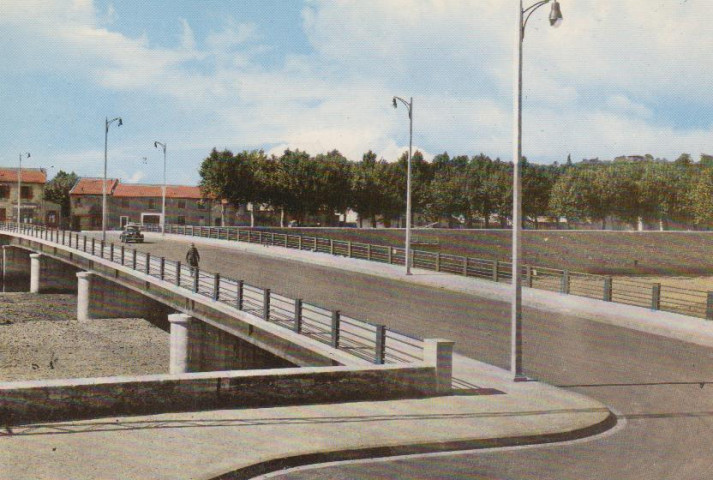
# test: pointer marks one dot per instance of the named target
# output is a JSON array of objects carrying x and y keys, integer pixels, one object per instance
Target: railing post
[
  {"x": 368, "y": 251},
  {"x": 331, "y": 246},
  {"x": 465, "y": 266},
  {"x": 133, "y": 259},
  {"x": 709, "y": 306},
  {"x": 299, "y": 242},
  {"x": 178, "y": 274},
  {"x": 148, "y": 263},
  {"x": 608, "y": 284},
  {"x": 314, "y": 244},
  {"x": 286, "y": 242},
  {"x": 390, "y": 255},
  {"x": 496, "y": 270},
  {"x": 438, "y": 261},
  {"x": 162, "y": 271},
  {"x": 349, "y": 249},
  {"x": 336, "y": 320},
  {"x": 122, "y": 254},
  {"x": 216, "y": 287},
  {"x": 259, "y": 238},
  {"x": 528, "y": 276},
  {"x": 298, "y": 315},
  {"x": 101, "y": 246},
  {"x": 196, "y": 277},
  {"x": 93, "y": 242},
  {"x": 111, "y": 251},
  {"x": 266, "y": 305},
  {"x": 380, "y": 353},
  {"x": 85, "y": 243},
  {"x": 239, "y": 296},
  {"x": 63, "y": 232},
  {"x": 564, "y": 282},
  {"x": 656, "y": 296}
]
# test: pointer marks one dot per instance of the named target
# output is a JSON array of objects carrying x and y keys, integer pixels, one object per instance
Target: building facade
[
  {"x": 136, "y": 203},
  {"x": 33, "y": 207}
]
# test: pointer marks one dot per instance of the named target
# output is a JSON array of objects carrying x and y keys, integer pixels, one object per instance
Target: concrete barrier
[{"x": 55, "y": 400}]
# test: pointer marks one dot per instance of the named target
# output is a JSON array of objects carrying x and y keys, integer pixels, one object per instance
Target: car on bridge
[{"x": 132, "y": 233}]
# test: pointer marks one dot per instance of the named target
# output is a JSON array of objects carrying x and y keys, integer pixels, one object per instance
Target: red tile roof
[
  {"x": 93, "y": 186},
  {"x": 29, "y": 175},
  {"x": 172, "y": 191}
]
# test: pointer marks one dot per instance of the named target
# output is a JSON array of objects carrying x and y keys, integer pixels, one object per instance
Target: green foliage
[{"x": 57, "y": 190}]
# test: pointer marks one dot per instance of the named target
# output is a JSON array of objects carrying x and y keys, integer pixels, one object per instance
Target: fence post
[
  {"x": 178, "y": 274},
  {"x": 101, "y": 246},
  {"x": 133, "y": 259},
  {"x": 528, "y": 276},
  {"x": 465, "y": 266},
  {"x": 299, "y": 242},
  {"x": 331, "y": 246},
  {"x": 496, "y": 268},
  {"x": 122, "y": 254},
  {"x": 335, "y": 328},
  {"x": 608, "y": 289},
  {"x": 368, "y": 251},
  {"x": 162, "y": 272},
  {"x": 380, "y": 353},
  {"x": 259, "y": 238},
  {"x": 286, "y": 242},
  {"x": 298, "y": 315},
  {"x": 216, "y": 287},
  {"x": 196, "y": 278},
  {"x": 93, "y": 243},
  {"x": 349, "y": 248},
  {"x": 148, "y": 263},
  {"x": 239, "y": 296},
  {"x": 390, "y": 256},
  {"x": 656, "y": 296},
  {"x": 266, "y": 305},
  {"x": 709, "y": 306},
  {"x": 564, "y": 282},
  {"x": 438, "y": 261},
  {"x": 314, "y": 244}
]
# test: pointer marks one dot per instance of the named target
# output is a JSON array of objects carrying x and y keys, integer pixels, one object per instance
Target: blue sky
[{"x": 618, "y": 77}]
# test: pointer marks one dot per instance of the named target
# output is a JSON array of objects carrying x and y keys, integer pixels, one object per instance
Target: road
[{"x": 661, "y": 388}]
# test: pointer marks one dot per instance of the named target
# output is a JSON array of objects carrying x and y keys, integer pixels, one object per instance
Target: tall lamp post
[
  {"x": 163, "y": 189},
  {"x": 407, "y": 249},
  {"x": 523, "y": 15},
  {"x": 106, "y": 142},
  {"x": 19, "y": 189}
]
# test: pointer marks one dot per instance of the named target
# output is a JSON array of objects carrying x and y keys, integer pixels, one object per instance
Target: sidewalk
[{"x": 487, "y": 409}]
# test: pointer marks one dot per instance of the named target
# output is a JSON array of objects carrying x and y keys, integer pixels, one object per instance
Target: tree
[
  {"x": 57, "y": 190},
  {"x": 368, "y": 196}
]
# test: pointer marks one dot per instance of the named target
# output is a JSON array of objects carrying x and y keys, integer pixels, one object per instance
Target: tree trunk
[
  {"x": 282, "y": 217},
  {"x": 252, "y": 216}
]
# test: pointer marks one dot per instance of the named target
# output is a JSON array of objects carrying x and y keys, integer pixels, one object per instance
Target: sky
[{"x": 618, "y": 77}]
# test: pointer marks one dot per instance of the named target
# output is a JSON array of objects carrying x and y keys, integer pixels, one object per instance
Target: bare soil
[{"x": 41, "y": 338}]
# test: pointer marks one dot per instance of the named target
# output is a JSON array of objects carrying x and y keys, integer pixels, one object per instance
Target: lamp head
[
  {"x": 555, "y": 14},
  {"x": 394, "y": 102},
  {"x": 28, "y": 155},
  {"x": 120, "y": 122},
  {"x": 155, "y": 144}
]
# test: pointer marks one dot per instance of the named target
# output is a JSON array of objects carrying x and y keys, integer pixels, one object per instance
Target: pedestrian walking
[{"x": 192, "y": 258}]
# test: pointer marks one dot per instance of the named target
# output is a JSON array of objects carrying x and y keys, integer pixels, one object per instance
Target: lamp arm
[
  {"x": 528, "y": 13},
  {"x": 407, "y": 104}
]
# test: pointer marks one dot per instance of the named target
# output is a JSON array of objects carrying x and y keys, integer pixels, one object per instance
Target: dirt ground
[{"x": 41, "y": 338}]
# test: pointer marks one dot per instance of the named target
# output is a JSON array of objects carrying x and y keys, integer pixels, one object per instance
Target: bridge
[{"x": 221, "y": 330}]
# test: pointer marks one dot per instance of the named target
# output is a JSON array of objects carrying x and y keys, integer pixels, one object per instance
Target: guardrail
[
  {"x": 696, "y": 303},
  {"x": 365, "y": 340}
]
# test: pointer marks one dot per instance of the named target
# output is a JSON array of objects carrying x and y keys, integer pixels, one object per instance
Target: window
[
  {"x": 152, "y": 204},
  {"x": 4, "y": 191},
  {"x": 181, "y": 204},
  {"x": 181, "y": 220},
  {"x": 26, "y": 193}
]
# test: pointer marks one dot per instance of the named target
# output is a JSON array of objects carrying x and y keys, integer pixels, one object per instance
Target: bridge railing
[
  {"x": 365, "y": 340},
  {"x": 697, "y": 303}
]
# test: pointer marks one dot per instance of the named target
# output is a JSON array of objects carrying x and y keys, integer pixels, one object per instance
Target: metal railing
[
  {"x": 365, "y": 340},
  {"x": 696, "y": 303}
]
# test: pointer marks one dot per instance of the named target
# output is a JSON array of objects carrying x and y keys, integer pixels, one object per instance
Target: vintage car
[{"x": 132, "y": 233}]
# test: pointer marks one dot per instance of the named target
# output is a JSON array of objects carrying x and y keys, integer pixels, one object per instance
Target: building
[
  {"x": 34, "y": 209},
  {"x": 135, "y": 203}
]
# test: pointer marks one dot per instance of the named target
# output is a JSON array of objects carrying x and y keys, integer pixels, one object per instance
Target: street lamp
[
  {"x": 19, "y": 188},
  {"x": 106, "y": 140},
  {"x": 523, "y": 15},
  {"x": 163, "y": 189},
  {"x": 407, "y": 249}
]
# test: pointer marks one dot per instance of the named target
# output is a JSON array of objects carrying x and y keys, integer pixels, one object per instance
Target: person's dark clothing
[{"x": 193, "y": 257}]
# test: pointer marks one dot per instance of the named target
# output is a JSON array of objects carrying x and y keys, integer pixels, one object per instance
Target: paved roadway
[{"x": 662, "y": 388}]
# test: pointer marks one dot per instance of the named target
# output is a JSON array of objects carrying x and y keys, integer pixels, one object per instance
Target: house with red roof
[
  {"x": 33, "y": 207},
  {"x": 136, "y": 203}
]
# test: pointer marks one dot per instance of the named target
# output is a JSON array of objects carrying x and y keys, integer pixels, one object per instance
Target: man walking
[{"x": 192, "y": 258}]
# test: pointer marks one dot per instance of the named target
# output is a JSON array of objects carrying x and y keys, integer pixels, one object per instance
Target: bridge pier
[
  {"x": 15, "y": 269},
  {"x": 35, "y": 273}
]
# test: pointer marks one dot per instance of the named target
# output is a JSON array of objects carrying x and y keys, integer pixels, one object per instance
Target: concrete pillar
[
  {"x": 4, "y": 265},
  {"x": 84, "y": 285},
  {"x": 439, "y": 352},
  {"x": 180, "y": 323},
  {"x": 35, "y": 272}
]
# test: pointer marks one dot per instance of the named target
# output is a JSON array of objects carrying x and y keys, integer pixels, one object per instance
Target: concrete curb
[{"x": 274, "y": 465}]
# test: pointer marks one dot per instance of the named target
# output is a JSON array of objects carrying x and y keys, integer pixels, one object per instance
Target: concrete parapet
[
  {"x": 439, "y": 353},
  {"x": 53, "y": 400}
]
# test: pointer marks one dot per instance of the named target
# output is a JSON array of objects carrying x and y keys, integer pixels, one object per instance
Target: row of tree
[{"x": 464, "y": 190}]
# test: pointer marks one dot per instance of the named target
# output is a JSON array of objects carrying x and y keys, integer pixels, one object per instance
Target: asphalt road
[{"x": 662, "y": 388}]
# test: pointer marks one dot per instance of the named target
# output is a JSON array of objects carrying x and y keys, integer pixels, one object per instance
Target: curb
[{"x": 274, "y": 465}]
